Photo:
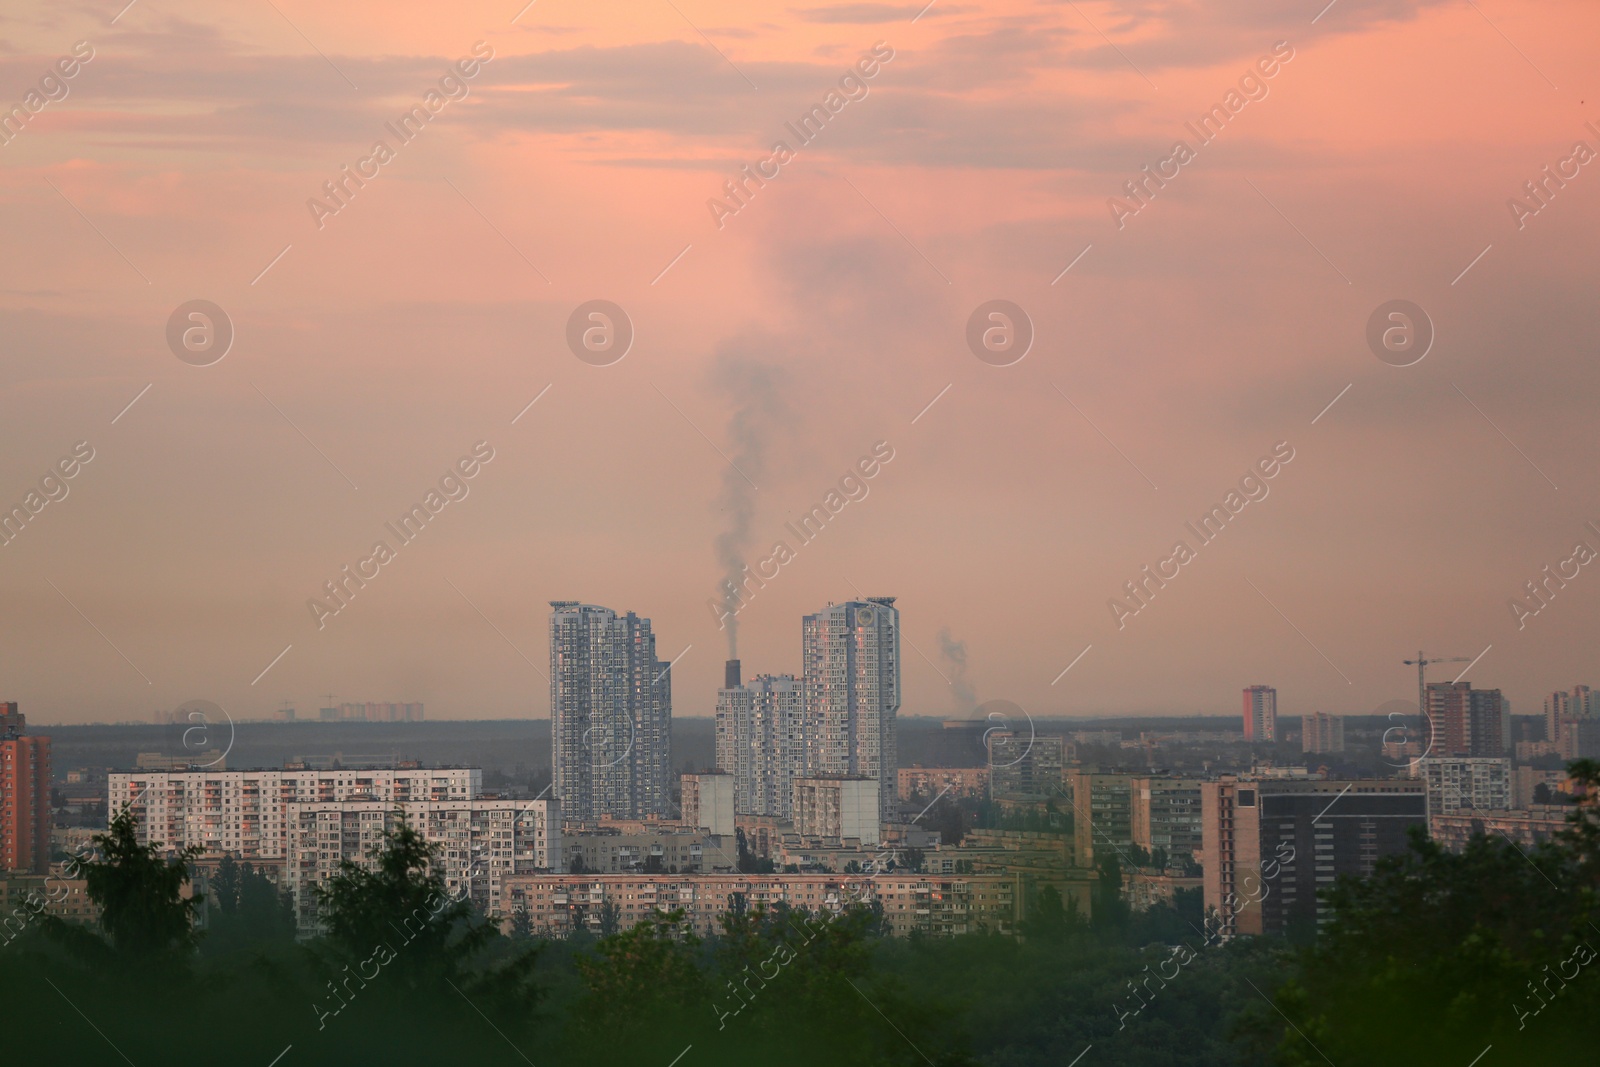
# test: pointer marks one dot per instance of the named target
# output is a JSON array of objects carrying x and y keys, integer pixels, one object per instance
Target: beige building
[
  {"x": 1322, "y": 733},
  {"x": 707, "y": 802},
  {"x": 481, "y": 844},
  {"x": 1103, "y": 809},
  {"x": 1527, "y": 828},
  {"x": 658, "y": 851},
  {"x": 931, "y": 904},
  {"x": 1164, "y": 814},
  {"x": 1026, "y": 765},
  {"x": 925, "y": 783},
  {"x": 837, "y": 809}
]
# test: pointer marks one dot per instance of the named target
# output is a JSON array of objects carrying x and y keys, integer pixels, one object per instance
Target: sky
[{"x": 774, "y": 342}]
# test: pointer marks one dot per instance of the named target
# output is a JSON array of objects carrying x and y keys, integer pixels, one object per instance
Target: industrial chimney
[{"x": 731, "y": 676}]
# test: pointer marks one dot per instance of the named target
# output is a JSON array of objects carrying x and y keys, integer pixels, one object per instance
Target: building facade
[
  {"x": 1528, "y": 828},
  {"x": 1464, "y": 784},
  {"x": 761, "y": 740},
  {"x": 1271, "y": 846},
  {"x": 1164, "y": 814},
  {"x": 930, "y": 904},
  {"x": 707, "y": 802},
  {"x": 1103, "y": 809},
  {"x": 1025, "y": 764},
  {"x": 851, "y": 675},
  {"x": 481, "y": 844},
  {"x": 1572, "y": 722},
  {"x": 1260, "y": 713},
  {"x": 1463, "y": 721},
  {"x": 610, "y": 714},
  {"x": 837, "y": 808},
  {"x": 247, "y": 812},
  {"x": 24, "y": 797},
  {"x": 925, "y": 783},
  {"x": 1322, "y": 733}
]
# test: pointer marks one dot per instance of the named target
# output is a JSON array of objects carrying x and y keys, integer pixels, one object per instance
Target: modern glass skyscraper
[
  {"x": 851, "y": 674},
  {"x": 610, "y": 714}
]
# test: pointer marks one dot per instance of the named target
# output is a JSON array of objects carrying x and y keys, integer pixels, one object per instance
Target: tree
[
  {"x": 1110, "y": 909},
  {"x": 610, "y": 918},
  {"x": 149, "y": 925},
  {"x": 1469, "y": 941},
  {"x": 640, "y": 984},
  {"x": 397, "y": 918},
  {"x": 244, "y": 910}
]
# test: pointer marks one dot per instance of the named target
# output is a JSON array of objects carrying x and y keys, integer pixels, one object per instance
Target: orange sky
[{"x": 821, "y": 318}]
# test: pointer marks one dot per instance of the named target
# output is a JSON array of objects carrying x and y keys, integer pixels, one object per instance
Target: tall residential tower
[
  {"x": 761, "y": 740},
  {"x": 610, "y": 714},
  {"x": 851, "y": 671},
  {"x": 1260, "y": 713}
]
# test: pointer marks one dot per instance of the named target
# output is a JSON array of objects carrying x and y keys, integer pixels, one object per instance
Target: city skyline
[{"x": 1178, "y": 339}]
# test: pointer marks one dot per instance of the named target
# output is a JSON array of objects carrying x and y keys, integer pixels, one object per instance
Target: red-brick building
[{"x": 24, "y": 797}]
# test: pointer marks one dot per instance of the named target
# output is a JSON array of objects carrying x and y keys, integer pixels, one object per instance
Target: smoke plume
[
  {"x": 753, "y": 389},
  {"x": 954, "y": 653}
]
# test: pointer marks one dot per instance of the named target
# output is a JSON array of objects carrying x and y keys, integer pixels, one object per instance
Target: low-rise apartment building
[
  {"x": 931, "y": 904},
  {"x": 482, "y": 844}
]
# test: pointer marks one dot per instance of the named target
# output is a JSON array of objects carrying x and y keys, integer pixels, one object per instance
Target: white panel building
[
  {"x": 246, "y": 812},
  {"x": 1462, "y": 785},
  {"x": 481, "y": 842}
]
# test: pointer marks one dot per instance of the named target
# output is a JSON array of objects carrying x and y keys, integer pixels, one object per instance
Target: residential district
[{"x": 808, "y": 804}]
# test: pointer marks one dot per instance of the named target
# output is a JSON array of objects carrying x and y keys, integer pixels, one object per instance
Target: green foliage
[
  {"x": 148, "y": 924},
  {"x": 245, "y": 912},
  {"x": 1439, "y": 955}
]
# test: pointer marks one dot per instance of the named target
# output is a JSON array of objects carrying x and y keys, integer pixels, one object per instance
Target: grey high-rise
[
  {"x": 610, "y": 714},
  {"x": 851, "y": 671},
  {"x": 761, "y": 741}
]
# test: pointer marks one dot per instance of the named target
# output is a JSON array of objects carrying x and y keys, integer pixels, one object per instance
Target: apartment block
[
  {"x": 707, "y": 802},
  {"x": 1272, "y": 845},
  {"x": 1025, "y": 764},
  {"x": 610, "y": 714},
  {"x": 1529, "y": 828},
  {"x": 379, "y": 711},
  {"x": 1464, "y": 721},
  {"x": 481, "y": 844},
  {"x": 1103, "y": 806},
  {"x": 1260, "y": 713},
  {"x": 837, "y": 809},
  {"x": 1465, "y": 784},
  {"x": 1322, "y": 733},
  {"x": 247, "y": 812},
  {"x": 1164, "y": 814},
  {"x": 649, "y": 852},
  {"x": 932, "y": 904},
  {"x": 761, "y": 740},
  {"x": 925, "y": 783},
  {"x": 850, "y": 655},
  {"x": 24, "y": 799}
]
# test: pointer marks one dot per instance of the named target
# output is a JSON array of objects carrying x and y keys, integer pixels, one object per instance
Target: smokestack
[{"x": 731, "y": 676}]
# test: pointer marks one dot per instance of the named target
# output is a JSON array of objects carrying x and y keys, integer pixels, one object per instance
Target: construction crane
[{"x": 1421, "y": 677}]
